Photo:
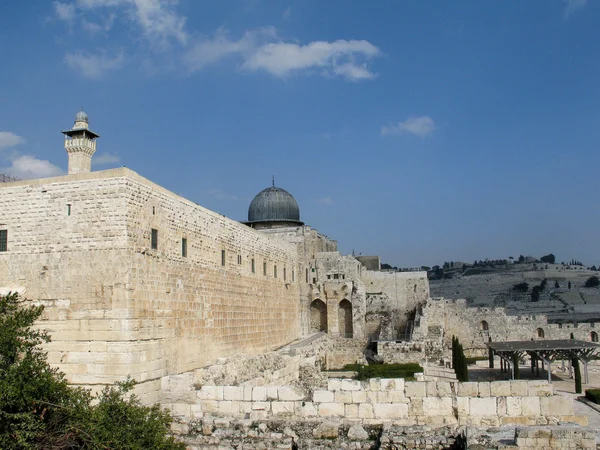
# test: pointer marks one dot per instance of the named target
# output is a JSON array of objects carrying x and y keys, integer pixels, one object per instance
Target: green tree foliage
[
  {"x": 521, "y": 287},
  {"x": 569, "y": 285},
  {"x": 535, "y": 293},
  {"x": 556, "y": 285},
  {"x": 592, "y": 281},
  {"x": 543, "y": 284},
  {"x": 39, "y": 410},
  {"x": 548, "y": 259},
  {"x": 490, "y": 355},
  {"x": 459, "y": 361},
  {"x": 521, "y": 259},
  {"x": 577, "y": 370}
]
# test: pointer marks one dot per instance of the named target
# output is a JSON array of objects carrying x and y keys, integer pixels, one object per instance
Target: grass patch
[
  {"x": 406, "y": 371},
  {"x": 593, "y": 395}
]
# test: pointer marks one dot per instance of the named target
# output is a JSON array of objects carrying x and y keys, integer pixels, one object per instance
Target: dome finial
[{"x": 273, "y": 180}]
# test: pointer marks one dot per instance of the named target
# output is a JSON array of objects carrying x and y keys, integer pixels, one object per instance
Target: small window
[
  {"x": 153, "y": 210},
  {"x": 68, "y": 209},
  {"x": 253, "y": 267},
  {"x": 239, "y": 259},
  {"x": 184, "y": 247},
  {"x": 540, "y": 333},
  {"x": 307, "y": 275},
  {"x": 265, "y": 268},
  {"x": 329, "y": 277},
  {"x": 154, "y": 240},
  {"x": 284, "y": 274},
  {"x": 314, "y": 281},
  {"x": 3, "y": 240},
  {"x": 275, "y": 271},
  {"x": 293, "y": 276},
  {"x": 222, "y": 257},
  {"x": 336, "y": 276},
  {"x": 483, "y": 326}
]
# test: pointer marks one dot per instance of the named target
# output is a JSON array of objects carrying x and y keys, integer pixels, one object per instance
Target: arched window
[
  {"x": 345, "y": 319},
  {"x": 318, "y": 316},
  {"x": 483, "y": 326},
  {"x": 540, "y": 333},
  {"x": 594, "y": 336}
]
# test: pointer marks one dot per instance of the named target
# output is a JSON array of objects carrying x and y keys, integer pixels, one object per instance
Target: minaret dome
[{"x": 80, "y": 144}]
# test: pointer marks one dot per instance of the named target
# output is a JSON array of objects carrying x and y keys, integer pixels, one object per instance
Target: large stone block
[
  {"x": 359, "y": 397},
  {"x": 375, "y": 384},
  {"x": 210, "y": 393},
  {"x": 365, "y": 411},
  {"x": 484, "y": 388},
  {"x": 482, "y": 406},
  {"x": 320, "y": 396},
  {"x": 351, "y": 411},
  {"x": 444, "y": 388},
  {"x": 351, "y": 385},
  {"x": 390, "y": 410},
  {"x": 282, "y": 408},
  {"x": 468, "y": 389},
  {"x": 530, "y": 406},
  {"x": 415, "y": 389},
  {"x": 342, "y": 397},
  {"x": 500, "y": 389},
  {"x": 438, "y": 406},
  {"x": 259, "y": 394},
  {"x": 334, "y": 384},
  {"x": 233, "y": 393},
  {"x": 306, "y": 409},
  {"x": 514, "y": 406},
  {"x": 392, "y": 384},
  {"x": 518, "y": 388},
  {"x": 540, "y": 388},
  {"x": 272, "y": 393},
  {"x": 556, "y": 405},
  {"x": 290, "y": 394},
  {"x": 462, "y": 406},
  {"x": 331, "y": 410}
]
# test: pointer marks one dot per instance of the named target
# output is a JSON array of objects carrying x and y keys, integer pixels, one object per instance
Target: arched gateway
[
  {"x": 318, "y": 316},
  {"x": 345, "y": 319}
]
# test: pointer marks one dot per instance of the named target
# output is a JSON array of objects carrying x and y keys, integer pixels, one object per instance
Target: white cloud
[
  {"x": 287, "y": 13},
  {"x": 64, "y": 11},
  {"x": 262, "y": 50},
  {"x": 325, "y": 201},
  {"x": 28, "y": 167},
  {"x": 573, "y": 6},
  {"x": 93, "y": 66},
  {"x": 339, "y": 57},
  {"x": 8, "y": 139},
  {"x": 106, "y": 158},
  {"x": 421, "y": 126},
  {"x": 157, "y": 18}
]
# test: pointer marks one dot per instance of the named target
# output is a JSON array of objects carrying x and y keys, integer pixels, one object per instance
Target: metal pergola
[{"x": 547, "y": 351}]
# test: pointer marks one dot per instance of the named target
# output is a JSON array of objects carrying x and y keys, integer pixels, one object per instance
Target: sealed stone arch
[
  {"x": 484, "y": 326},
  {"x": 318, "y": 316},
  {"x": 540, "y": 333},
  {"x": 594, "y": 336},
  {"x": 345, "y": 319}
]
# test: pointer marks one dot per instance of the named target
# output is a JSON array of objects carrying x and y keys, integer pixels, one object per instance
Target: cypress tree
[
  {"x": 464, "y": 365},
  {"x": 491, "y": 355},
  {"x": 578, "y": 388}
]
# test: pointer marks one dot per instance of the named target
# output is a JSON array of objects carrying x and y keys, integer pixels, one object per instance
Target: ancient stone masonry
[
  {"x": 83, "y": 246},
  {"x": 474, "y": 326}
]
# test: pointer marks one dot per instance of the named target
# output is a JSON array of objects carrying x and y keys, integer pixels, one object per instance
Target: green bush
[
  {"x": 39, "y": 410},
  {"x": 592, "y": 281},
  {"x": 406, "y": 371},
  {"x": 593, "y": 395}
]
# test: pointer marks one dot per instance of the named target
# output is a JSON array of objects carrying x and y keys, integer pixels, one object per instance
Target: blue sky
[{"x": 423, "y": 131}]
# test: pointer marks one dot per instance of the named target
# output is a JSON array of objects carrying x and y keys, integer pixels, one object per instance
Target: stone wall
[
  {"x": 454, "y": 317},
  {"x": 403, "y": 290},
  {"x": 382, "y": 400},
  {"x": 81, "y": 245}
]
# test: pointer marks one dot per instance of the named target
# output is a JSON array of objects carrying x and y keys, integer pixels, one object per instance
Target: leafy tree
[
  {"x": 569, "y": 285},
  {"x": 39, "y": 410},
  {"x": 543, "y": 284},
  {"x": 592, "y": 281},
  {"x": 521, "y": 259},
  {"x": 521, "y": 287},
  {"x": 548, "y": 259},
  {"x": 535, "y": 294},
  {"x": 556, "y": 285}
]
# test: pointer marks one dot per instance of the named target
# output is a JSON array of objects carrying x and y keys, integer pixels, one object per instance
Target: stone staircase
[{"x": 438, "y": 373}]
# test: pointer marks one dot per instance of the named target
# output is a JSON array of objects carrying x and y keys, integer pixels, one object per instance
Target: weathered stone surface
[
  {"x": 282, "y": 408},
  {"x": 556, "y": 405},
  {"x": 530, "y": 406},
  {"x": 390, "y": 410},
  {"x": 331, "y": 409},
  {"x": 259, "y": 394},
  {"x": 326, "y": 430},
  {"x": 500, "y": 389},
  {"x": 468, "y": 389},
  {"x": 438, "y": 406},
  {"x": 518, "y": 388},
  {"x": 321, "y": 396},
  {"x": 484, "y": 389},
  {"x": 233, "y": 393},
  {"x": 482, "y": 406},
  {"x": 357, "y": 433},
  {"x": 415, "y": 389},
  {"x": 350, "y": 385},
  {"x": 290, "y": 394}
]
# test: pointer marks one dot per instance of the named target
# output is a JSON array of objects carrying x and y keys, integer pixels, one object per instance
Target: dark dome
[{"x": 274, "y": 205}]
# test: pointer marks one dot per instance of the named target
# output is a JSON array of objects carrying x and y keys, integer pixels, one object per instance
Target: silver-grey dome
[
  {"x": 81, "y": 116},
  {"x": 274, "y": 205}
]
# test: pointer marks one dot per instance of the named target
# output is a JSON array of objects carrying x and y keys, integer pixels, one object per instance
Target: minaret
[{"x": 80, "y": 144}]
